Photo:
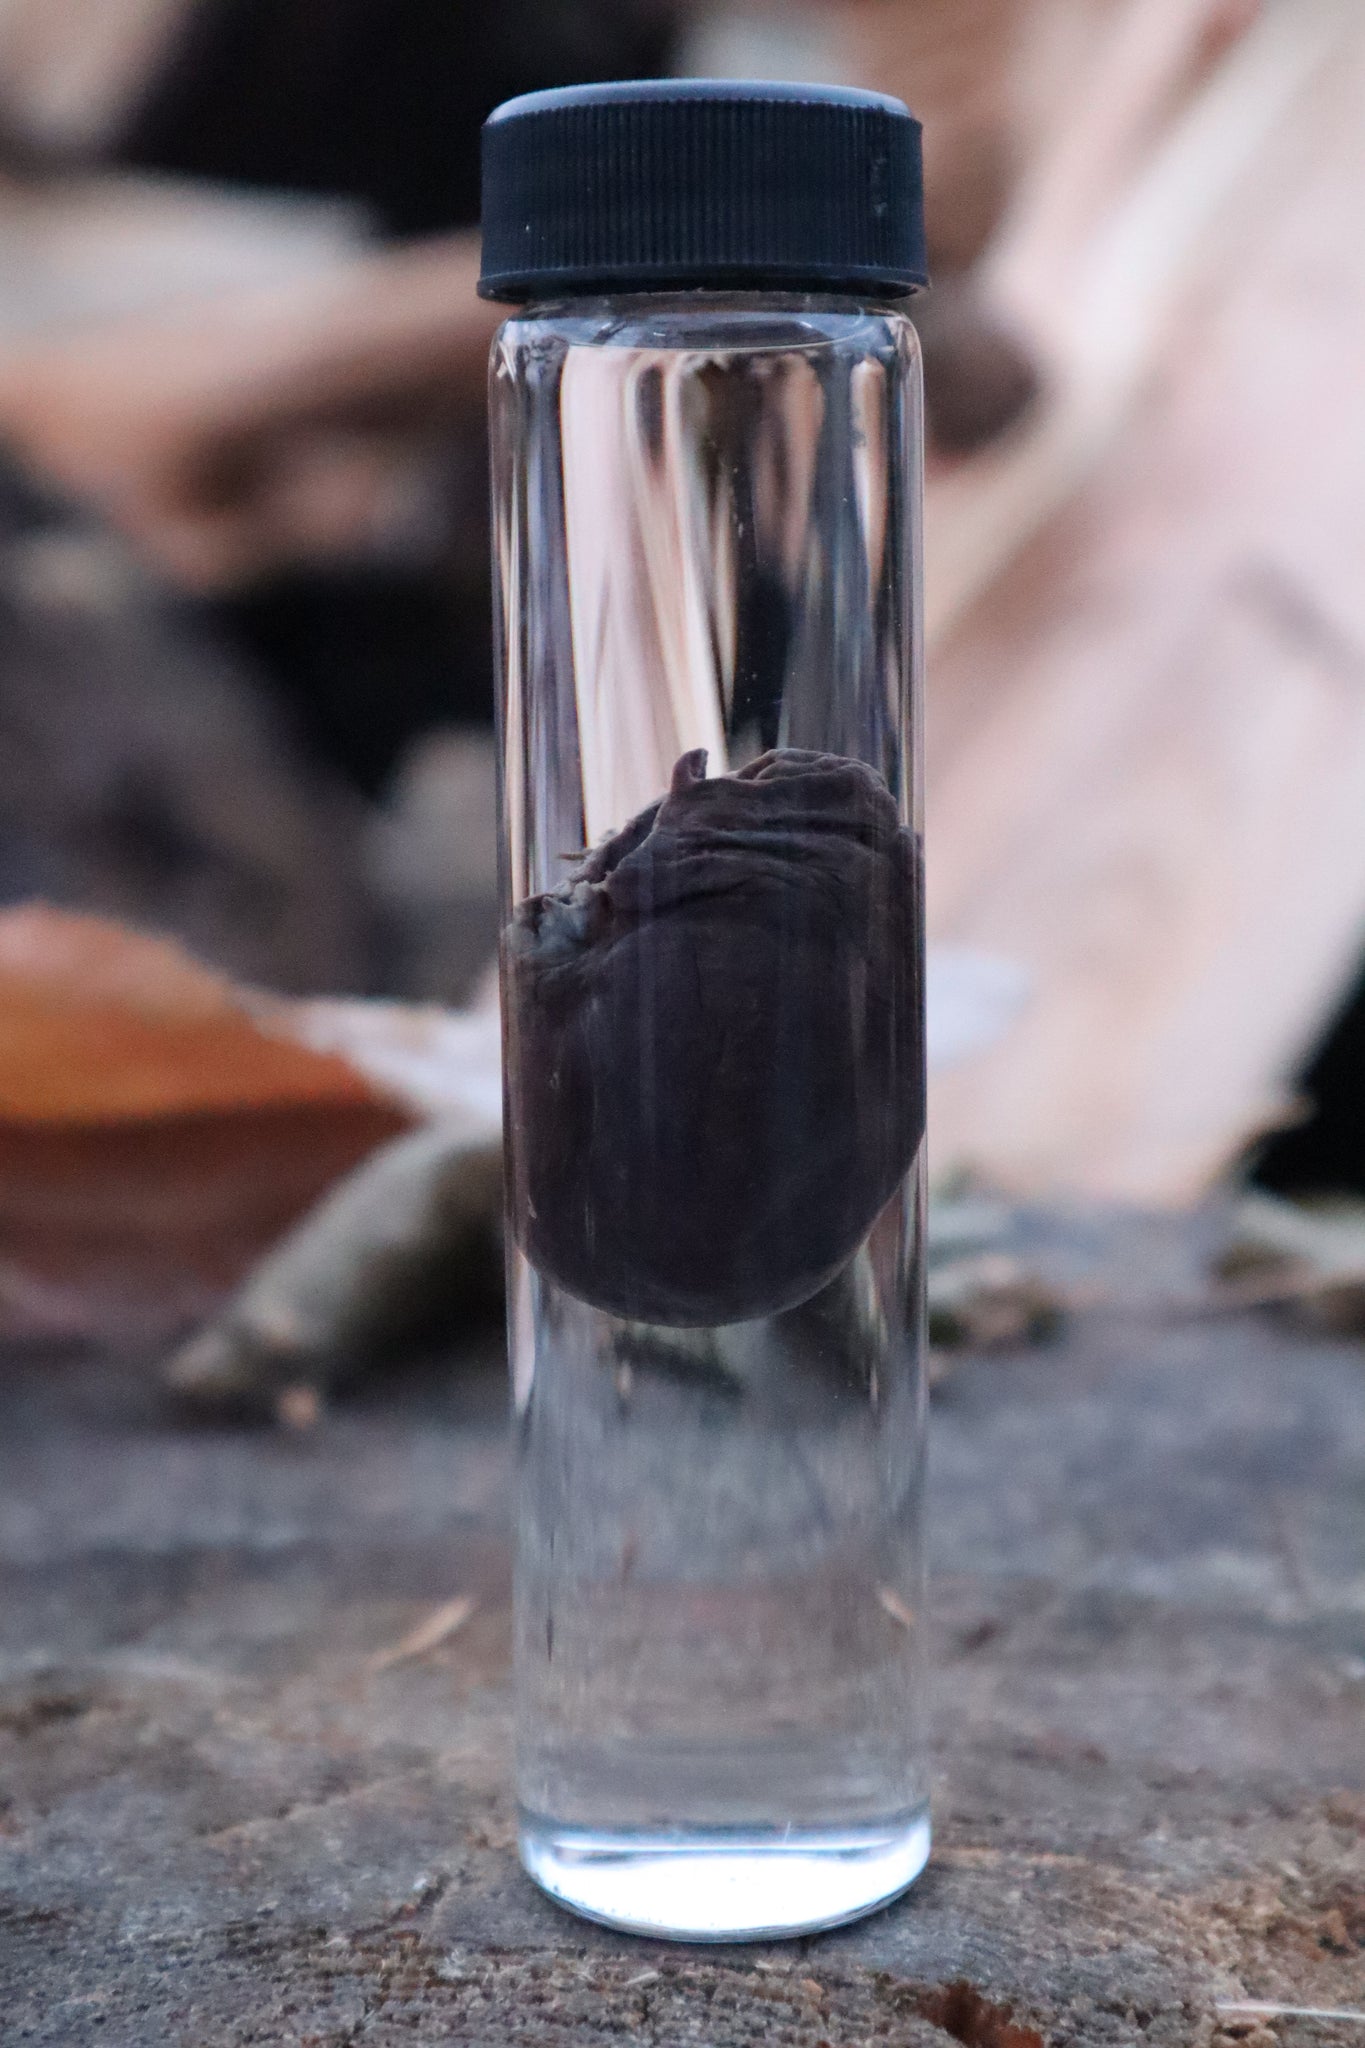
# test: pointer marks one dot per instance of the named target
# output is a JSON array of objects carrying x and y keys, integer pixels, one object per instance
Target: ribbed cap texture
[{"x": 693, "y": 183}]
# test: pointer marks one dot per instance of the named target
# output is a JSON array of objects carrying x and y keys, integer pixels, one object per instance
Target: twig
[
  {"x": 438, "y": 1628},
  {"x": 891, "y": 1600},
  {"x": 1256, "y": 2011}
]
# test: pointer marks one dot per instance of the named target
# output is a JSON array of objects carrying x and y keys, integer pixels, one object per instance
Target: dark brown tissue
[{"x": 714, "y": 1042}]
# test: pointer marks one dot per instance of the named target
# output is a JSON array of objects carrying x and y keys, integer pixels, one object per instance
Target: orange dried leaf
[
  {"x": 159, "y": 1129},
  {"x": 103, "y": 1025}
]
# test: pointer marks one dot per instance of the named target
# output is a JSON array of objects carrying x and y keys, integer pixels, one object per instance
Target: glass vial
[{"x": 707, "y": 452}]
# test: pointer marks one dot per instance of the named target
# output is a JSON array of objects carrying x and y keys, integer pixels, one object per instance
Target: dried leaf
[
  {"x": 439, "y": 1063},
  {"x": 156, "y": 1134},
  {"x": 102, "y": 1025}
]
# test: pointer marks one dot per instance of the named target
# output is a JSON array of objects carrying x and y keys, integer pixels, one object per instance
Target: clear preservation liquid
[{"x": 707, "y": 545}]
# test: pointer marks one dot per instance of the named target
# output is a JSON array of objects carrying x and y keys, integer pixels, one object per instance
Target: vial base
[{"x": 723, "y": 1884}]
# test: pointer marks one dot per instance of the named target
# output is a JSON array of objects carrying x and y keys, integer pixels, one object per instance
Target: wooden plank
[
  {"x": 71, "y": 68},
  {"x": 1147, "y": 747},
  {"x": 1102, "y": 249}
]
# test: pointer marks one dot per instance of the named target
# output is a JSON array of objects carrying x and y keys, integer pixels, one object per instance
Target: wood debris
[
  {"x": 1146, "y": 722},
  {"x": 298, "y": 1408},
  {"x": 1307, "y": 1258},
  {"x": 890, "y": 1601},
  {"x": 991, "y": 1302},
  {"x": 430, "y": 1633},
  {"x": 1255, "y": 2009},
  {"x": 984, "y": 1294},
  {"x": 401, "y": 1248}
]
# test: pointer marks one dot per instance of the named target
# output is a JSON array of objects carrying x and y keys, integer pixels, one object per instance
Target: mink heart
[{"x": 715, "y": 1043}]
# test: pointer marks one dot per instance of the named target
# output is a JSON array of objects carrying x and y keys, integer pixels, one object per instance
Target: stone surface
[{"x": 221, "y": 1823}]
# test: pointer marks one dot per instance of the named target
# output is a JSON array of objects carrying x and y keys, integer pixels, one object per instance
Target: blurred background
[{"x": 245, "y": 664}]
